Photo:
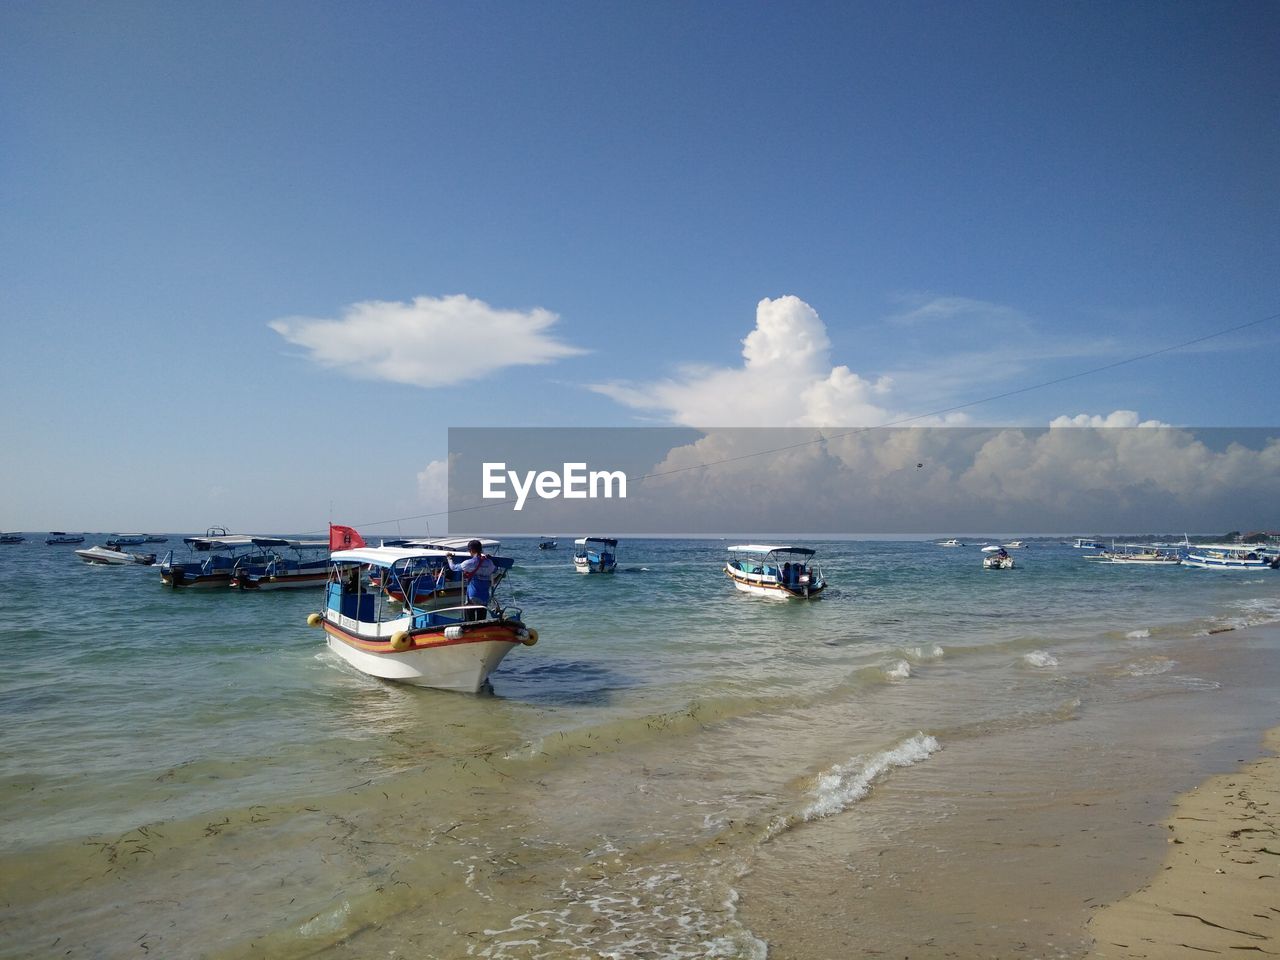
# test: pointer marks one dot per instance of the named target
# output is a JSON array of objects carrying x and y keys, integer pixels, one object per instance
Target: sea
[{"x": 932, "y": 760}]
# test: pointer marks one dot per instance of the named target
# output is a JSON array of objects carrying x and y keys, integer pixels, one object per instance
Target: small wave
[
  {"x": 1148, "y": 667},
  {"x": 1137, "y": 634},
  {"x": 845, "y": 784},
  {"x": 898, "y": 670},
  {"x": 1040, "y": 658},
  {"x": 1197, "y": 683},
  {"x": 920, "y": 654}
]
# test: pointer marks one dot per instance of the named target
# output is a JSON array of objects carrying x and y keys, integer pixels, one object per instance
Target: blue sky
[{"x": 969, "y": 197}]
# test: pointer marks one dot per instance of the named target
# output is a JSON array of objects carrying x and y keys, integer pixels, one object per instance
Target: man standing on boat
[{"x": 477, "y": 571}]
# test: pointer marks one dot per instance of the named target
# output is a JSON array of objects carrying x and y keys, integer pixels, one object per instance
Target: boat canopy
[
  {"x": 387, "y": 556},
  {"x": 445, "y": 543},
  {"x": 607, "y": 541},
  {"x": 765, "y": 548},
  {"x": 235, "y": 540}
]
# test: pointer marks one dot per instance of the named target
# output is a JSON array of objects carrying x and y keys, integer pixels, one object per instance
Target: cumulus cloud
[
  {"x": 1117, "y": 418},
  {"x": 433, "y": 484},
  {"x": 427, "y": 342},
  {"x": 786, "y": 379}
]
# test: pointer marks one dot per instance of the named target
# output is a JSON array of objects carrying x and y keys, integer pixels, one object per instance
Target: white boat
[
  {"x": 114, "y": 556},
  {"x": 950, "y": 543},
  {"x": 997, "y": 558},
  {"x": 1229, "y": 556},
  {"x": 1087, "y": 543},
  {"x": 1015, "y": 545},
  {"x": 784, "y": 572},
  {"x": 454, "y": 648},
  {"x": 1138, "y": 554},
  {"x": 595, "y": 555}
]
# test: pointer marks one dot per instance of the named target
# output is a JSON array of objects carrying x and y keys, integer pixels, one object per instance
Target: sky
[{"x": 258, "y": 258}]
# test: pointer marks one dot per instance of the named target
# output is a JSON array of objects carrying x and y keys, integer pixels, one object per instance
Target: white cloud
[
  {"x": 428, "y": 342},
  {"x": 433, "y": 484},
  {"x": 786, "y": 379},
  {"x": 949, "y": 309},
  {"x": 1117, "y": 418}
]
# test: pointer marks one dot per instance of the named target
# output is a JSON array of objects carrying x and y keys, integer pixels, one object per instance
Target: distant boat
[
  {"x": 1015, "y": 545},
  {"x": 950, "y": 543},
  {"x": 1229, "y": 556},
  {"x": 595, "y": 555},
  {"x": 547, "y": 543},
  {"x": 126, "y": 539},
  {"x": 59, "y": 536},
  {"x": 1085, "y": 543},
  {"x": 151, "y": 538},
  {"x": 1138, "y": 554},
  {"x": 11, "y": 538},
  {"x": 784, "y": 572},
  {"x": 115, "y": 557}
]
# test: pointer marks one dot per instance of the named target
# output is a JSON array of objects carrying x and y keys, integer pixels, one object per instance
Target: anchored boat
[
  {"x": 449, "y": 648},
  {"x": 11, "y": 538},
  {"x": 281, "y": 564},
  {"x": 785, "y": 572},
  {"x": 1138, "y": 555},
  {"x": 595, "y": 555},
  {"x": 223, "y": 549},
  {"x": 1229, "y": 556},
  {"x": 58, "y": 536},
  {"x": 997, "y": 558}
]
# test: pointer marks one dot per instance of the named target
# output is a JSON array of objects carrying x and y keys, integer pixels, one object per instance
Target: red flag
[{"x": 343, "y": 538}]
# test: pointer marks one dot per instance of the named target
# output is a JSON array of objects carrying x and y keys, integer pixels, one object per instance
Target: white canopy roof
[
  {"x": 765, "y": 548},
  {"x": 385, "y": 556},
  {"x": 583, "y": 541},
  {"x": 453, "y": 543}
]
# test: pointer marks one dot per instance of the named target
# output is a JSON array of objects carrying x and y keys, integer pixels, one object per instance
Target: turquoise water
[{"x": 194, "y": 771}]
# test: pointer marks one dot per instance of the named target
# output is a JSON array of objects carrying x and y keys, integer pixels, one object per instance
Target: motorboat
[
  {"x": 997, "y": 558},
  {"x": 281, "y": 564},
  {"x": 1138, "y": 554},
  {"x": 1229, "y": 556},
  {"x": 451, "y": 648},
  {"x": 547, "y": 543},
  {"x": 1015, "y": 545},
  {"x": 595, "y": 554},
  {"x": 114, "y": 556},
  {"x": 126, "y": 539},
  {"x": 12, "y": 538},
  {"x": 785, "y": 572},
  {"x": 950, "y": 543},
  {"x": 58, "y": 536},
  {"x": 214, "y": 570}
]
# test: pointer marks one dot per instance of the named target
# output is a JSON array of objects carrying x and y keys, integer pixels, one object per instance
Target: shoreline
[{"x": 1217, "y": 890}]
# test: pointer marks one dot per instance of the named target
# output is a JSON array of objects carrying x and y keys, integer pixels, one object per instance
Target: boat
[
  {"x": 126, "y": 539},
  {"x": 212, "y": 571},
  {"x": 547, "y": 543},
  {"x": 1015, "y": 545},
  {"x": 58, "y": 536},
  {"x": 152, "y": 538},
  {"x": 114, "y": 556},
  {"x": 452, "y": 648},
  {"x": 950, "y": 543},
  {"x": 997, "y": 558},
  {"x": 1229, "y": 556},
  {"x": 281, "y": 564},
  {"x": 1138, "y": 554},
  {"x": 12, "y": 538},
  {"x": 1086, "y": 543},
  {"x": 786, "y": 572},
  {"x": 595, "y": 555}
]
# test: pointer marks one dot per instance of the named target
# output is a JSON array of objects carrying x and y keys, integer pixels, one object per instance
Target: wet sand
[{"x": 1218, "y": 891}]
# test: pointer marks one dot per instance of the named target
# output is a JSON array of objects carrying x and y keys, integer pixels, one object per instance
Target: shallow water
[{"x": 196, "y": 773}]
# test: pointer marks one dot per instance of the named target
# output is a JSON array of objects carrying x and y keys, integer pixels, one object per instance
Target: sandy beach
[{"x": 1218, "y": 890}]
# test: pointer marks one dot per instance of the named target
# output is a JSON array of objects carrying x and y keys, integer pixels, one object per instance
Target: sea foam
[
  {"x": 1137, "y": 634},
  {"x": 898, "y": 670},
  {"x": 846, "y": 783},
  {"x": 1040, "y": 658}
]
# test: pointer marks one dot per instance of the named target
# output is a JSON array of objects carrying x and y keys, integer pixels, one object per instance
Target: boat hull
[
  {"x": 1214, "y": 563},
  {"x": 280, "y": 581},
  {"x": 587, "y": 566},
  {"x": 105, "y": 558},
  {"x": 198, "y": 581},
  {"x": 461, "y": 664},
  {"x": 765, "y": 588}
]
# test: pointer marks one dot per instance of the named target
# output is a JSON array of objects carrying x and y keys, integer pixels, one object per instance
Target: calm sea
[{"x": 194, "y": 774}]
